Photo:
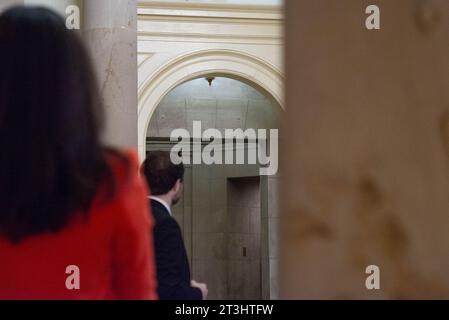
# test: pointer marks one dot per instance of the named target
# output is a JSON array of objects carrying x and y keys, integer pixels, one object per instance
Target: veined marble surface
[{"x": 110, "y": 33}]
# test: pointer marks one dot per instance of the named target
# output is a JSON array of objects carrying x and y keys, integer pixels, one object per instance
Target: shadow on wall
[{"x": 225, "y": 104}]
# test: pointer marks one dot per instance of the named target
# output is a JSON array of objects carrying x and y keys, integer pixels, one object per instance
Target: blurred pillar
[
  {"x": 110, "y": 31},
  {"x": 59, "y": 6},
  {"x": 5, "y": 4},
  {"x": 366, "y": 162}
]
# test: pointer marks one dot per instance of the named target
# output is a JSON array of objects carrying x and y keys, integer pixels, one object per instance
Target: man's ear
[{"x": 177, "y": 186}]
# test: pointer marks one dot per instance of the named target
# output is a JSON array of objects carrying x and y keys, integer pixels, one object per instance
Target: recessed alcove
[{"x": 228, "y": 213}]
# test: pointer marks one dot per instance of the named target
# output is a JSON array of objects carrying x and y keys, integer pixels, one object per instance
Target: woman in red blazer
[{"x": 74, "y": 218}]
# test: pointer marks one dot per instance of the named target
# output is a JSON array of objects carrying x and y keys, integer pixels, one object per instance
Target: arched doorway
[
  {"x": 233, "y": 64},
  {"x": 226, "y": 214}
]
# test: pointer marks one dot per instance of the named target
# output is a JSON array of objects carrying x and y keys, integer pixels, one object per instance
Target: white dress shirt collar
[{"x": 165, "y": 204}]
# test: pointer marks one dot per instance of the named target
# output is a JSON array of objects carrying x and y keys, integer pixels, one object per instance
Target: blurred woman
[{"x": 74, "y": 218}]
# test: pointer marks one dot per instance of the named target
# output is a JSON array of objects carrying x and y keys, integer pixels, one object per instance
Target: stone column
[
  {"x": 5, "y": 4},
  {"x": 367, "y": 156},
  {"x": 110, "y": 31},
  {"x": 57, "y": 5}
]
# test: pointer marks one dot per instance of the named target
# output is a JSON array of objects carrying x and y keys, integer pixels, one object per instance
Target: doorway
[
  {"x": 244, "y": 243},
  {"x": 224, "y": 219}
]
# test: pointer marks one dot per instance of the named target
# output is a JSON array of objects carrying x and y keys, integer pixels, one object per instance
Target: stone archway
[
  {"x": 223, "y": 206},
  {"x": 234, "y": 64}
]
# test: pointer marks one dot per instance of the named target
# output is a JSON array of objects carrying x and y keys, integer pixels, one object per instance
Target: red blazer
[{"x": 113, "y": 251}]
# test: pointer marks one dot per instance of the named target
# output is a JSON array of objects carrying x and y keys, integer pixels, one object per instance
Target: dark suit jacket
[{"x": 173, "y": 272}]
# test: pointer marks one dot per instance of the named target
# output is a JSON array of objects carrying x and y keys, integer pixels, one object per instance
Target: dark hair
[
  {"x": 51, "y": 158},
  {"x": 161, "y": 173}
]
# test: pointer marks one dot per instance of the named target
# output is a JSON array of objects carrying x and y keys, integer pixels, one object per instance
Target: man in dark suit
[{"x": 173, "y": 273}]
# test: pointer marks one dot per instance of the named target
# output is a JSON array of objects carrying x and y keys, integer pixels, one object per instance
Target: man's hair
[{"x": 161, "y": 173}]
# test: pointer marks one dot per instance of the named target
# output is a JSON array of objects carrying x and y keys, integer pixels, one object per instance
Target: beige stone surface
[
  {"x": 59, "y": 6},
  {"x": 110, "y": 31},
  {"x": 366, "y": 160},
  {"x": 5, "y": 4},
  {"x": 182, "y": 40},
  {"x": 227, "y": 104}
]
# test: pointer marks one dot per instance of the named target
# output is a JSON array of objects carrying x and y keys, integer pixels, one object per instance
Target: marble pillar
[
  {"x": 57, "y": 5},
  {"x": 110, "y": 31},
  {"x": 367, "y": 151},
  {"x": 5, "y": 4},
  {"x": 60, "y": 6}
]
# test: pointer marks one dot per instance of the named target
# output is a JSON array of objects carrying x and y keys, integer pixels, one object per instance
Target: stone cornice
[{"x": 210, "y": 10}]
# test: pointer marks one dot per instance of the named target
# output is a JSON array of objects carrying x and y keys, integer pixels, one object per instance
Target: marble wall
[
  {"x": 5, "y": 4},
  {"x": 212, "y": 225},
  {"x": 57, "y": 5},
  {"x": 270, "y": 235},
  {"x": 244, "y": 239},
  {"x": 226, "y": 104},
  {"x": 366, "y": 156},
  {"x": 110, "y": 31}
]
